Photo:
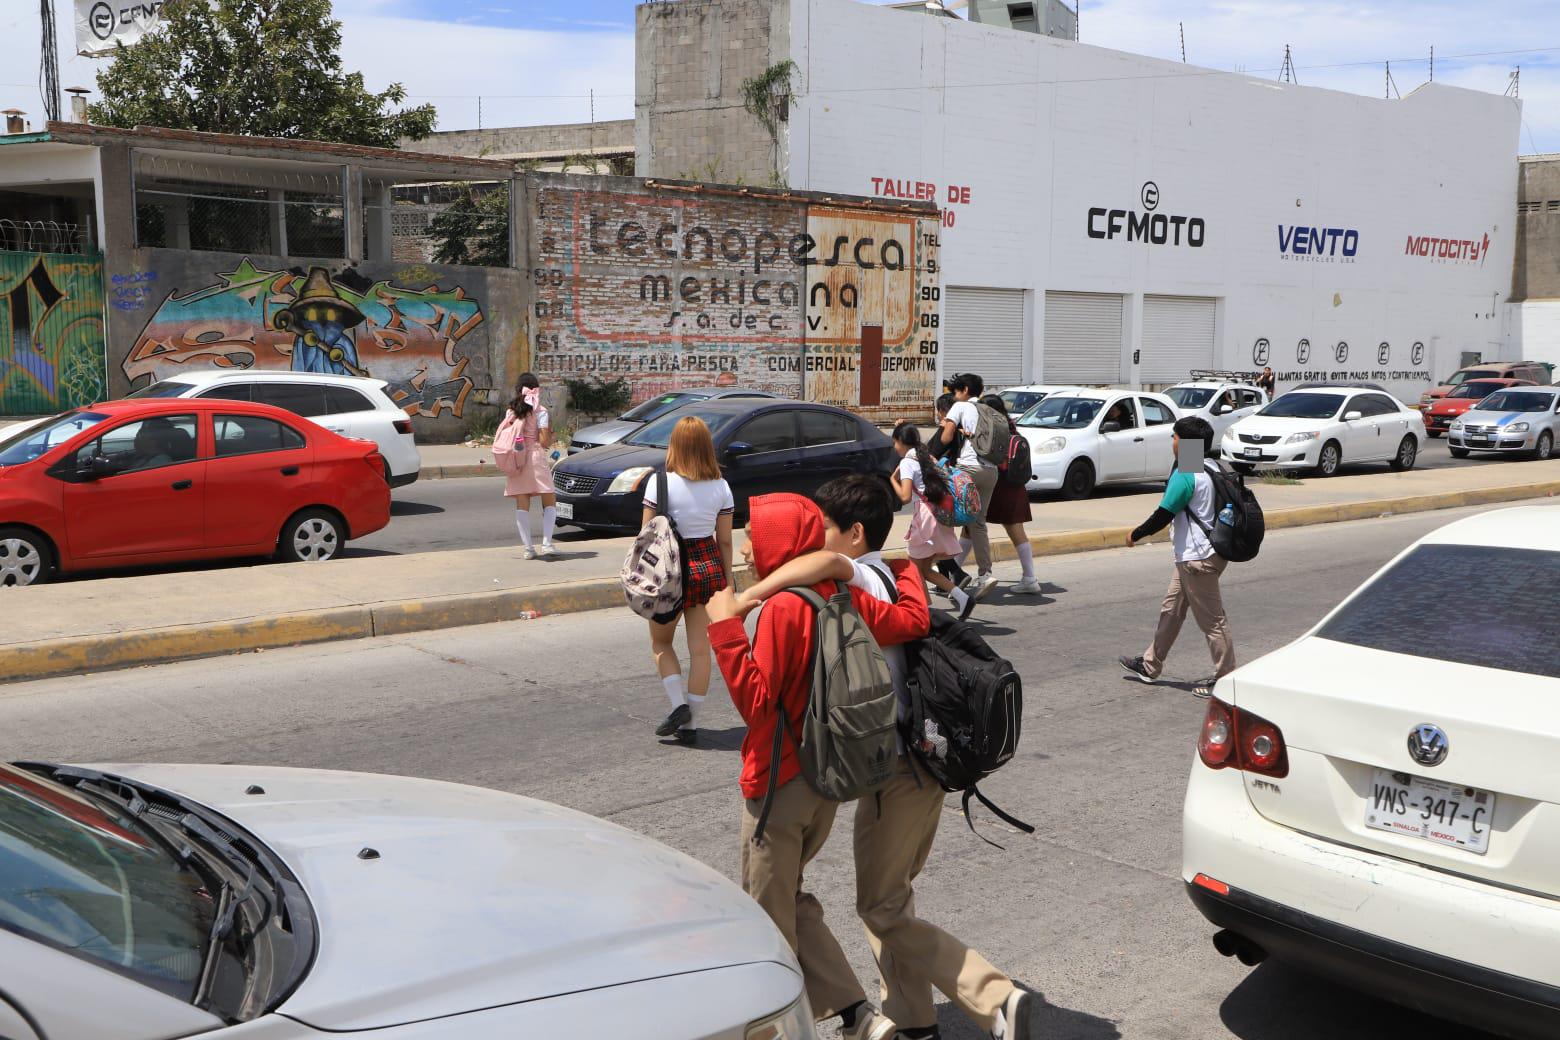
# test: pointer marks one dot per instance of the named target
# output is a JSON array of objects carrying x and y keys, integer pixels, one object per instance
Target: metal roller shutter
[
  {"x": 983, "y": 333},
  {"x": 1082, "y": 338},
  {"x": 1177, "y": 336}
]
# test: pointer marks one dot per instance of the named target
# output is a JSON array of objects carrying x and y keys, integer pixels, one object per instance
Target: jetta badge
[{"x": 1427, "y": 745}]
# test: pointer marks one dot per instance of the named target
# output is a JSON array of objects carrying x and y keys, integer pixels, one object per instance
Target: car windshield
[
  {"x": 79, "y": 875},
  {"x": 658, "y": 434},
  {"x": 1018, "y": 402},
  {"x": 1515, "y": 629},
  {"x": 166, "y": 388},
  {"x": 1475, "y": 390},
  {"x": 1304, "y": 406},
  {"x": 655, "y": 407},
  {"x": 1189, "y": 396},
  {"x": 36, "y": 441},
  {"x": 1063, "y": 413},
  {"x": 1517, "y": 401},
  {"x": 1462, "y": 375}
]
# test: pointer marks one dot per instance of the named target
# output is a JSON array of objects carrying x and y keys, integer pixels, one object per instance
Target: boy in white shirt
[{"x": 961, "y": 421}]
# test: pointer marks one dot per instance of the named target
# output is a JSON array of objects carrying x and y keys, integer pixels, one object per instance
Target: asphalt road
[{"x": 1089, "y": 911}]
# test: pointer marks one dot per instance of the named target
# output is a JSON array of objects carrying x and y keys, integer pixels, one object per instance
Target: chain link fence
[{"x": 44, "y": 236}]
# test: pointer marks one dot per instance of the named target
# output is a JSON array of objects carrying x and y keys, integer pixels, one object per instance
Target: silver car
[
  {"x": 614, "y": 430},
  {"x": 1520, "y": 419},
  {"x": 148, "y": 902}
]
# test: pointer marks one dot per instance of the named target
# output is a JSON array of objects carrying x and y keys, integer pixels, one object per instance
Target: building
[
  {"x": 1533, "y": 315},
  {"x": 601, "y": 147},
  {"x": 1113, "y": 218},
  {"x": 1047, "y": 17}
]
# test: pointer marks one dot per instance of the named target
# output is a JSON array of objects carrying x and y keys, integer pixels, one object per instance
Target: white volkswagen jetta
[
  {"x": 148, "y": 902},
  {"x": 1378, "y": 801}
]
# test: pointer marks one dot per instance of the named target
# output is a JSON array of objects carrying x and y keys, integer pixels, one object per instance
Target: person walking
[
  {"x": 1195, "y": 585},
  {"x": 1010, "y": 508},
  {"x": 928, "y": 542},
  {"x": 699, "y": 502},
  {"x": 535, "y": 477},
  {"x": 960, "y": 423}
]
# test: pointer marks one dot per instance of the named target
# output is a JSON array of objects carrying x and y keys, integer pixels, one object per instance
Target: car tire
[
  {"x": 1079, "y": 481},
  {"x": 311, "y": 536},
  {"x": 26, "y": 557},
  {"x": 1329, "y": 459},
  {"x": 1459, "y": 453},
  {"x": 1407, "y": 454},
  {"x": 1545, "y": 448}
]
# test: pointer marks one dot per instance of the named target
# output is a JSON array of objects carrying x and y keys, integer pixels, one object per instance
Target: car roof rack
[{"x": 1225, "y": 376}]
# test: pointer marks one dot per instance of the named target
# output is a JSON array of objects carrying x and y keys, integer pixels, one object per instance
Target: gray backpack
[
  {"x": 846, "y": 746},
  {"x": 655, "y": 572},
  {"x": 991, "y": 435}
]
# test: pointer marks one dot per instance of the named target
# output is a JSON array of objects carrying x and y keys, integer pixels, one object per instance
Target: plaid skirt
[{"x": 706, "y": 571}]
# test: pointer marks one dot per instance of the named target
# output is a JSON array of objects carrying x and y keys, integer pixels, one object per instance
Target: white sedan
[
  {"x": 147, "y": 902},
  {"x": 1079, "y": 439},
  {"x": 1378, "y": 800},
  {"x": 1324, "y": 427}
]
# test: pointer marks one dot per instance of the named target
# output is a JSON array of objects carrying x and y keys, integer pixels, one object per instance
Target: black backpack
[
  {"x": 966, "y": 707},
  {"x": 1238, "y": 523},
  {"x": 1019, "y": 468}
]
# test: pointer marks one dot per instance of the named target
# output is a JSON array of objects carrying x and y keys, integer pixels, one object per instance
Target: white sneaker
[
  {"x": 547, "y": 550},
  {"x": 1028, "y": 586},
  {"x": 982, "y": 584},
  {"x": 528, "y": 553},
  {"x": 1013, "y": 1019},
  {"x": 870, "y": 1025}
]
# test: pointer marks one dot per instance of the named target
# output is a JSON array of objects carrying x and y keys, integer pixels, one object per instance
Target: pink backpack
[{"x": 509, "y": 451}]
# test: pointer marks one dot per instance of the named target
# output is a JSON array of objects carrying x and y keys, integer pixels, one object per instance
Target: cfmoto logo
[
  {"x": 1150, "y": 195},
  {"x": 101, "y": 19},
  {"x": 1260, "y": 351},
  {"x": 1427, "y": 745}
]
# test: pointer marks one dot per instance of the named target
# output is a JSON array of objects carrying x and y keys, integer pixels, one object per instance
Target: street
[{"x": 1089, "y": 911}]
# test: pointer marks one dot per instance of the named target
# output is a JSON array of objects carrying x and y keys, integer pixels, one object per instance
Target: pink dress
[
  {"x": 926, "y": 536},
  {"x": 536, "y": 478}
]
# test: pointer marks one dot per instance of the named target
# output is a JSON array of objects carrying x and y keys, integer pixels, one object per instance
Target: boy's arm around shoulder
[{"x": 757, "y": 672}]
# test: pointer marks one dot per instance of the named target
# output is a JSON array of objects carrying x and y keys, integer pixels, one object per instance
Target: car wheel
[
  {"x": 1459, "y": 453},
  {"x": 1545, "y": 446},
  {"x": 26, "y": 558},
  {"x": 1079, "y": 482},
  {"x": 1329, "y": 460},
  {"x": 312, "y": 536},
  {"x": 1407, "y": 453}
]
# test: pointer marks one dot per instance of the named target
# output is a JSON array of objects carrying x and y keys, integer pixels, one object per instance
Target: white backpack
[{"x": 654, "y": 573}]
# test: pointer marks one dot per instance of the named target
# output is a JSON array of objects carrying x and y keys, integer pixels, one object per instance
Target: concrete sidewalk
[{"x": 84, "y": 626}]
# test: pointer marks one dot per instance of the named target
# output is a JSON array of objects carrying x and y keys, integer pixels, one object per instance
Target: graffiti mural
[
  {"x": 314, "y": 321},
  {"x": 51, "y": 314}
]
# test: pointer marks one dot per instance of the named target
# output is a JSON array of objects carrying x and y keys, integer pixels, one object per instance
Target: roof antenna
[
  {"x": 1392, "y": 87},
  {"x": 1182, "y": 26},
  {"x": 1287, "y": 72},
  {"x": 1432, "y": 63}
]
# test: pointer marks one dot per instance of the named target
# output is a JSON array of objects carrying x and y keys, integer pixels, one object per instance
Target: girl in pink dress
[
  {"x": 918, "y": 479},
  {"x": 536, "y": 477}
]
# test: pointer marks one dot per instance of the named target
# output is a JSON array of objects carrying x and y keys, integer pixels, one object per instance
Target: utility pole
[
  {"x": 1182, "y": 26},
  {"x": 1432, "y": 63},
  {"x": 479, "y": 111},
  {"x": 49, "y": 68}
]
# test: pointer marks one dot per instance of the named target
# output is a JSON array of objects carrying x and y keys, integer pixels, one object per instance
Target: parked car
[
  {"x": 1019, "y": 399},
  {"x": 635, "y": 418},
  {"x": 151, "y": 901},
  {"x": 763, "y": 446},
  {"x": 1536, "y": 372},
  {"x": 1222, "y": 402},
  {"x": 1522, "y": 419},
  {"x": 1323, "y": 428},
  {"x": 1377, "y": 801},
  {"x": 1439, "y": 415},
  {"x": 353, "y": 406},
  {"x": 1079, "y": 439},
  {"x": 154, "y": 481}
]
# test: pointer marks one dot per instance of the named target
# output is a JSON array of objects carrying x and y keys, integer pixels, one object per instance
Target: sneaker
[
  {"x": 1204, "y": 687},
  {"x": 688, "y": 736},
  {"x": 870, "y": 1025},
  {"x": 680, "y": 716},
  {"x": 547, "y": 550},
  {"x": 1028, "y": 587},
  {"x": 967, "y": 608},
  {"x": 528, "y": 553},
  {"x": 982, "y": 584},
  {"x": 924, "y": 1033},
  {"x": 1138, "y": 670},
  {"x": 958, "y": 575},
  {"x": 1013, "y": 1019}
]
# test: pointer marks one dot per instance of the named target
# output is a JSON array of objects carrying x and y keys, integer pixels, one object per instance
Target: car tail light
[
  {"x": 1235, "y": 739},
  {"x": 403, "y": 426},
  {"x": 1213, "y": 885}
]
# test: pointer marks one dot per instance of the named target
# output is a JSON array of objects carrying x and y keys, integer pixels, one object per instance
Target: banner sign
[{"x": 102, "y": 25}]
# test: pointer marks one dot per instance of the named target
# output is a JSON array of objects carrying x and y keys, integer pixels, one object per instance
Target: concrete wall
[
  {"x": 1536, "y": 274},
  {"x": 691, "y": 58},
  {"x": 521, "y": 142},
  {"x": 1533, "y": 332}
]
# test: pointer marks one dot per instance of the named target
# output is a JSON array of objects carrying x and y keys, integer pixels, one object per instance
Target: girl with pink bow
[{"x": 534, "y": 476}]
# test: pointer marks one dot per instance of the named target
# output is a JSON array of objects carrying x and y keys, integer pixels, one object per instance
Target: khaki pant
[
  {"x": 894, "y": 833},
  {"x": 985, "y": 478},
  {"x": 798, "y": 825},
  {"x": 1195, "y": 585}
]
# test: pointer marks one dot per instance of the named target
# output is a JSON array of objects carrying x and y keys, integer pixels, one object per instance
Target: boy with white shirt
[{"x": 961, "y": 422}]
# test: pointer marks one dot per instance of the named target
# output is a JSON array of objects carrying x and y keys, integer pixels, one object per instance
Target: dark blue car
[{"x": 763, "y": 446}]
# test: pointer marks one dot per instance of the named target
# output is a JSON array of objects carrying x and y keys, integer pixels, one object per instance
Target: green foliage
[
  {"x": 271, "y": 68},
  {"x": 474, "y": 229},
  {"x": 758, "y": 97},
  {"x": 482, "y": 425},
  {"x": 596, "y": 397}
]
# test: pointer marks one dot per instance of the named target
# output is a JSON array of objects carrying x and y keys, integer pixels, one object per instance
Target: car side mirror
[
  {"x": 1110, "y": 426},
  {"x": 736, "y": 449},
  {"x": 1351, "y": 416},
  {"x": 96, "y": 468}
]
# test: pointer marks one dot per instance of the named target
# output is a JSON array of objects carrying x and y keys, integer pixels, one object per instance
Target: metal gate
[
  {"x": 1177, "y": 336},
  {"x": 1082, "y": 338},
  {"x": 983, "y": 332}
]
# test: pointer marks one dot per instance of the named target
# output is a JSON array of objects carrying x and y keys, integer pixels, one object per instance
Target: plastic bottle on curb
[{"x": 528, "y": 615}]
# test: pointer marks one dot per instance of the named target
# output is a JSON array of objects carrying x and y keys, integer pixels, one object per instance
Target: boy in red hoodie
[{"x": 773, "y": 672}]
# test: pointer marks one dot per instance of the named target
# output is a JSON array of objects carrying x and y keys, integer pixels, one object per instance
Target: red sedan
[
  {"x": 164, "y": 480},
  {"x": 1440, "y": 414}
]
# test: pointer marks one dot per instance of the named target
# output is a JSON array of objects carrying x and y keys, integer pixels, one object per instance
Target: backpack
[
  {"x": 1018, "y": 467},
  {"x": 966, "y": 708},
  {"x": 509, "y": 453},
  {"x": 655, "y": 571},
  {"x": 961, "y": 504},
  {"x": 1238, "y": 526},
  {"x": 990, "y": 426},
  {"x": 846, "y": 745}
]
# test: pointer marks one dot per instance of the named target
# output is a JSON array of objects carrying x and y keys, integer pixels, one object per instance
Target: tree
[
  {"x": 474, "y": 229},
  {"x": 270, "y": 68}
]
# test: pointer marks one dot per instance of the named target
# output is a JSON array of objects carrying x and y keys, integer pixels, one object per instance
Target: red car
[
  {"x": 1439, "y": 416},
  {"x": 164, "y": 480}
]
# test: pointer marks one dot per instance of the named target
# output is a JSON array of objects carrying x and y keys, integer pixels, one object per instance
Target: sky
[{"x": 557, "y": 61}]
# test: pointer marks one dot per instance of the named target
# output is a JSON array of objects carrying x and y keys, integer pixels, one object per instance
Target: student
[
  {"x": 1197, "y": 567},
  {"x": 895, "y": 828},
  {"x": 774, "y": 672},
  {"x": 700, "y": 504},
  {"x": 950, "y": 568},
  {"x": 916, "y": 480},
  {"x": 536, "y": 478},
  {"x": 1010, "y": 508},
  {"x": 960, "y": 422}
]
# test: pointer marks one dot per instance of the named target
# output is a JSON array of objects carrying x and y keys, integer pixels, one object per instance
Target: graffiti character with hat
[{"x": 320, "y": 320}]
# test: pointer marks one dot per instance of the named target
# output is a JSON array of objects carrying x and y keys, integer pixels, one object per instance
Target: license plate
[
  {"x": 565, "y": 511},
  {"x": 1446, "y": 814},
  {"x": 1478, "y": 440},
  {"x": 1253, "y": 453}
]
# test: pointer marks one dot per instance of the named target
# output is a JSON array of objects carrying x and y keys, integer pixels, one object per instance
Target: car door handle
[
  {"x": 1137, "y": 440},
  {"x": 289, "y": 471},
  {"x": 183, "y": 485},
  {"x": 794, "y": 464}
]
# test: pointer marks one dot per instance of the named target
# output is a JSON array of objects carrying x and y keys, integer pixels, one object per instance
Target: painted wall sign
[
  {"x": 104, "y": 25},
  {"x": 1449, "y": 250},
  {"x": 51, "y": 332},
  {"x": 1147, "y": 225},
  {"x": 1318, "y": 244}
]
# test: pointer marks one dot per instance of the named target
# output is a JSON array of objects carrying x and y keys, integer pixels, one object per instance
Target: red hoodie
[{"x": 777, "y": 663}]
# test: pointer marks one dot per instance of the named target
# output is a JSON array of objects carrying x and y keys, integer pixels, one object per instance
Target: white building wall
[
  {"x": 1533, "y": 332},
  {"x": 1039, "y": 131}
]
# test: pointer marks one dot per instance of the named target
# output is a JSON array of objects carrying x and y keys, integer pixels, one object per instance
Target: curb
[
  {"x": 476, "y": 469},
  {"x": 75, "y": 656}
]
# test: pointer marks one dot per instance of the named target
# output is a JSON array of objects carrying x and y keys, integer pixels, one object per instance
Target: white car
[
  {"x": 1378, "y": 800},
  {"x": 1325, "y": 427},
  {"x": 1020, "y": 399},
  {"x": 1079, "y": 439},
  {"x": 148, "y": 902},
  {"x": 1221, "y": 402},
  {"x": 353, "y": 406}
]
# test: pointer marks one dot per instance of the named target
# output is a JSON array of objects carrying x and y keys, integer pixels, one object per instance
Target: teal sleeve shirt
[{"x": 1178, "y": 492}]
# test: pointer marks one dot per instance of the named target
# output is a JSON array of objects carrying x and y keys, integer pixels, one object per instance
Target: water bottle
[{"x": 1227, "y": 514}]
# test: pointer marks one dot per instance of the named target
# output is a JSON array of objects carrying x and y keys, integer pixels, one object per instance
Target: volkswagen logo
[
  {"x": 1149, "y": 195},
  {"x": 1427, "y": 745}
]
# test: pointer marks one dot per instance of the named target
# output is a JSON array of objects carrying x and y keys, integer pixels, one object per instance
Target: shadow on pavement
[
  {"x": 1045, "y": 1020},
  {"x": 714, "y": 739},
  {"x": 401, "y": 507},
  {"x": 1277, "y": 1002}
]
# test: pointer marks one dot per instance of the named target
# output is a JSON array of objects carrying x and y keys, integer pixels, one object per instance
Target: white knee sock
[
  {"x": 674, "y": 690},
  {"x": 1026, "y": 559},
  {"x": 523, "y": 525},
  {"x": 695, "y": 705},
  {"x": 549, "y": 521}
]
